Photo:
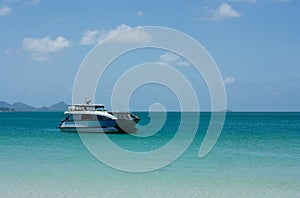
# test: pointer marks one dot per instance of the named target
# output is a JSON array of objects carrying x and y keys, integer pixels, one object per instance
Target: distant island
[
  {"x": 6, "y": 109},
  {"x": 18, "y": 106}
]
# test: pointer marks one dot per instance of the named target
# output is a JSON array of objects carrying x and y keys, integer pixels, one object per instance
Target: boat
[{"x": 94, "y": 118}]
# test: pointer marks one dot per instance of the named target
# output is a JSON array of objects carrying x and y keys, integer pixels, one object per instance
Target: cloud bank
[
  {"x": 223, "y": 11},
  {"x": 137, "y": 35},
  {"x": 41, "y": 48}
]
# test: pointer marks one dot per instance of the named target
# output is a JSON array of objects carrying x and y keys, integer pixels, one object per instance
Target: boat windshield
[
  {"x": 101, "y": 108},
  {"x": 69, "y": 117}
]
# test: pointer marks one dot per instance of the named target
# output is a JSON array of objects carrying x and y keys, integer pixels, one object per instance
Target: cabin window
[
  {"x": 88, "y": 117},
  {"x": 103, "y": 117}
]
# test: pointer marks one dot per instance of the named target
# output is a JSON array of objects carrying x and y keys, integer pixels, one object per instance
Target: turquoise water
[{"x": 257, "y": 155}]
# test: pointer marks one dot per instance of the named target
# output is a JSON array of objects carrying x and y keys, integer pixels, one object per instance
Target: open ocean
[{"x": 257, "y": 155}]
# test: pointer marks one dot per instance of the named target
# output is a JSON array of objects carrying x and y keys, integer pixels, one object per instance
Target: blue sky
[{"x": 255, "y": 44}]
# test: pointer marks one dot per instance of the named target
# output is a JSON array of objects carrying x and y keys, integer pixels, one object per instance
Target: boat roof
[{"x": 88, "y": 105}]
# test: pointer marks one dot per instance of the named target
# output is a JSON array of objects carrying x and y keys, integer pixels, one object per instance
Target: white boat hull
[
  {"x": 89, "y": 126},
  {"x": 90, "y": 130},
  {"x": 111, "y": 126},
  {"x": 93, "y": 118}
]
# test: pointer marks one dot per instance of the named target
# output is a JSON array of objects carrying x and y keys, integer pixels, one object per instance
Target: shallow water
[{"x": 257, "y": 155}]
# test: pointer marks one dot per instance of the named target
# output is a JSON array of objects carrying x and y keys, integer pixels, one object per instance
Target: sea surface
[{"x": 257, "y": 155}]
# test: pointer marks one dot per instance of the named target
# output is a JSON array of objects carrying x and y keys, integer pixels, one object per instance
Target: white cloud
[
  {"x": 90, "y": 37},
  {"x": 224, "y": 11},
  {"x": 140, "y": 13},
  {"x": 173, "y": 59},
  {"x": 168, "y": 57},
  {"x": 135, "y": 35},
  {"x": 5, "y": 10},
  {"x": 229, "y": 80},
  {"x": 41, "y": 48}
]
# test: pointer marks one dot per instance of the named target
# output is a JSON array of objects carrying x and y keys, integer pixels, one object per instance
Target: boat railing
[{"x": 86, "y": 107}]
